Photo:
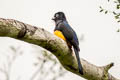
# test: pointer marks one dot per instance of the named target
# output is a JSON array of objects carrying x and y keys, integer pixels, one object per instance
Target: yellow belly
[{"x": 59, "y": 34}]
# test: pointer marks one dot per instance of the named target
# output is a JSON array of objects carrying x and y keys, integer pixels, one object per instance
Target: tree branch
[{"x": 39, "y": 36}]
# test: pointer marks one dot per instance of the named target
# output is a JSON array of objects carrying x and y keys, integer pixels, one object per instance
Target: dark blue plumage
[{"x": 70, "y": 35}]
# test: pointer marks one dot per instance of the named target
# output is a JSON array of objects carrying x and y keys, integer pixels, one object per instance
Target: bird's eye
[{"x": 57, "y": 15}]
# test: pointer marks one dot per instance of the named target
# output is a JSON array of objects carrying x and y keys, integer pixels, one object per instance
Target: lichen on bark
[{"x": 39, "y": 36}]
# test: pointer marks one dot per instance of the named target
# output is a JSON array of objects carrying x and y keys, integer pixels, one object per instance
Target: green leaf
[
  {"x": 118, "y": 21},
  {"x": 114, "y": 13},
  {"x": 118, "y": 6},
  {"x": 101, "y": 10},
  {"x": 119, "y": 1},
  {"x": 106, "y": 12},
  {"x": 118, "y": 30},
  {"x": 116, "y": 17},
  {"x": 115, "y": 2}
]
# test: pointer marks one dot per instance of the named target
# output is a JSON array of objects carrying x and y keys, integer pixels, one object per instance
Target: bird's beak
[{"x": 53, "y": 18}]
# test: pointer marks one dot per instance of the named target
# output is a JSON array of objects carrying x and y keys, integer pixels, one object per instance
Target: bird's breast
[{"x": 59, "y": 34}]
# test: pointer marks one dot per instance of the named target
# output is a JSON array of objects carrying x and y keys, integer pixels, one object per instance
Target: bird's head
[{"x": 59, "y": 16}]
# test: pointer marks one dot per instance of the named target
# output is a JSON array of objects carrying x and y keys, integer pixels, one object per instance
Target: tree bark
[{"x": 39, "y": 36}]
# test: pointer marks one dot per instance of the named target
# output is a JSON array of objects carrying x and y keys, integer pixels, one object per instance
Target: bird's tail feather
[{"x": 78, "y": 60}]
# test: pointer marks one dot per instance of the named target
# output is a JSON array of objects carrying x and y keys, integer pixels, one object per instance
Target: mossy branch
[{"x": 39, "y": 36}]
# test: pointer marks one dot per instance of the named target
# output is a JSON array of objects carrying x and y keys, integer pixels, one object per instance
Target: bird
[{"x": 64, "y": 31}]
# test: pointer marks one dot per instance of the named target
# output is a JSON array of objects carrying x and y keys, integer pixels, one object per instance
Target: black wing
[{"x": 68, "y": 33}]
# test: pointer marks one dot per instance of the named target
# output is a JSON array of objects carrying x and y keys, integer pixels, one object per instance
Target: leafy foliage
[{"x": 115, "y": 12}]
